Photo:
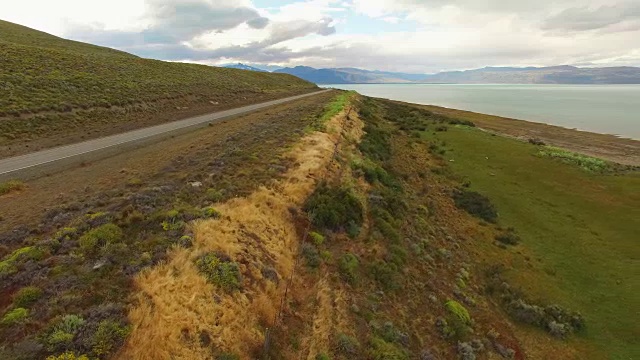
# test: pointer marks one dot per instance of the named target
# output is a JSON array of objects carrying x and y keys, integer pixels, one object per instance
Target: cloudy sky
[{"x": 404, "y": 35}]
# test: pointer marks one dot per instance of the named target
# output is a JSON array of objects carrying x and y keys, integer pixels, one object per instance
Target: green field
[{"x": 582, "y": 227}]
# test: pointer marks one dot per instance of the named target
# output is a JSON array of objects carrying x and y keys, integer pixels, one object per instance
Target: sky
[{"x": 419, "y": 36}]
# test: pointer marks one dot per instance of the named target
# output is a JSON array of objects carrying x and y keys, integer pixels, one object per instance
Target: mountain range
[{"x": 563, "y": 74}]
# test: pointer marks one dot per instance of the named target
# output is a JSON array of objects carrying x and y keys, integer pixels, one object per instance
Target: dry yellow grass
[{"x": 175, "y": 303}]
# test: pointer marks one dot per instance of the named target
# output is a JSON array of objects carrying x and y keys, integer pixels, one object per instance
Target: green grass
[
  {"x": 42, "y": 73},
  {"x": 582, "y": 225},
  {"x": 10, "y": 186}
]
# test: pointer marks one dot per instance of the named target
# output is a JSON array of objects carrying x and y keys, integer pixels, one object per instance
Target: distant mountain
[
  {"x": 242, "y": 67},
  {"x": 564, "y": 74},
  {"x": 349, "y": 75}
]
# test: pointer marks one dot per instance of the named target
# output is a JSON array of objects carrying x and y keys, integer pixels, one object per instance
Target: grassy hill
[{"x": 52, "y": 81}]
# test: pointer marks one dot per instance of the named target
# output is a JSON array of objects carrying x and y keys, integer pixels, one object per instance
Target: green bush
[
  {"x": 109, "y": 336},
  {"x": 214, "y": 195},
  {"x": 346, "y": 344},
  {"x": 210, "y": 212},
  {"x": 63, "y": 332},
  {"x": 509, "y": 237},
  {"x": 227, "y": 356},
  {"x": 316, "y": 238},
  {"x": 101, "y": 236},
  {"x": 333, "y": 208},
  {"x": 68, "y": 356},
  {"x": 9, "y": 262},
  {"x": 26, "y": 296},
  {"x": 475, "y": 204},
  {"x": 66, "y": 234},
  {"x": 9, "y": 186},
  {"x": 348, "y": 266},
  {"x": 311, "y": 255},
  {"x": 220, "y": 271},
  {"x": 376, "y": 143},
  {"x": 382, "y": 350},
  {"x": 460, "y": 312},
  {"x": 384, "y": 274},
  {"x": 14, "y": 316}
]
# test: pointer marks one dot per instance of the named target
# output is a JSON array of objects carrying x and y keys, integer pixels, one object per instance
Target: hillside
[
  {"x": 348, "y": 75},
  {"x": 55, "y": 91},
  {"x": 543, "y": 75}
]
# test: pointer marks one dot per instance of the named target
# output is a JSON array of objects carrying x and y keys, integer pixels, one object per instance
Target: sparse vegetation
[{"x": 10, "y": 186}]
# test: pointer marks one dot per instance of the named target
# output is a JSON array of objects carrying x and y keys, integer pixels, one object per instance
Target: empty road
[{"x": 56, "y": 159}]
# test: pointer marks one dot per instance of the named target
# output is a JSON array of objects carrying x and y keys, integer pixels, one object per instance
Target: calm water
[{"x": 608, "y": 109}]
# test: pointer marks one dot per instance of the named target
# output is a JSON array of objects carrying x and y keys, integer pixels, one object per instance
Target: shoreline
[{"x": 621, "y": 150}]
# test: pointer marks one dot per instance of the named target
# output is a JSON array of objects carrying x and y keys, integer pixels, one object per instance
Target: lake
[{"x": 607, "y": 109}]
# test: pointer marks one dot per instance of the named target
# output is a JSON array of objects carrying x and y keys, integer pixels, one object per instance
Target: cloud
[
  {"x": 400, "y": 35},
  {"x": 585, "y": 18}
]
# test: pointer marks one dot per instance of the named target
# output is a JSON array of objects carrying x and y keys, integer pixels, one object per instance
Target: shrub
[
  {"x": 346, "y": 344},
  {"x": 375, "y": 143},
  {"x": 9, "y": 186},
  {"x": 311, "y": 255},
  {"x": 382, "y": 350},
  {"x": 26, "y": 296},
  {"x": 227, "y": 356},
  {"x": 220, "y": 271},
  {"x": 66, "y": 234},
  {"x": 384, "y": 274},
  {"x": 68, "y": 356},
  {"x": 333, "y": 208},
  {"x": 475, "y": 204},
  {"x": 460, "y": 312},
  {"x": 317, "y": 238},
  {"x": 109, "y": 336},
  {"x": 63, "y": 332},
  {"x": 322, "y": 356},
  {"x": 210, "y": 212},
  {"x": 348, "y": 266},
  {"x": 536, "y": 141},
  {"x": 9, "y": 262},
  {"x": 214, "y": 195},
  {"x": 509, "y": 237},
  {"x": 14, "y": 316},
  {"x": 101, "y": 236}
]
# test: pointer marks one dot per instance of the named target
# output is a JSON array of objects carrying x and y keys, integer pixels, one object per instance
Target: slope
[{"x": 56, "y": 89}]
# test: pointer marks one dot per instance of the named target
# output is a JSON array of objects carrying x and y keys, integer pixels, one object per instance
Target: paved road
[{"x": 57, "y": 159}]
